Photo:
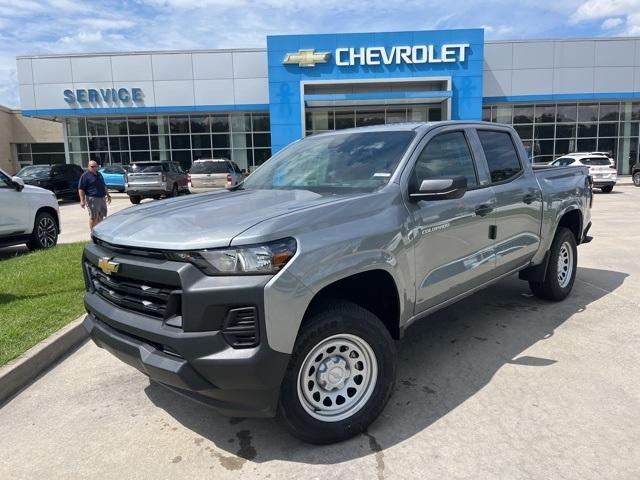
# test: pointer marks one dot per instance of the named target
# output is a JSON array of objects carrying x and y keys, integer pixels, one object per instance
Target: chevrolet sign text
[{"x": 417, "y": 54}]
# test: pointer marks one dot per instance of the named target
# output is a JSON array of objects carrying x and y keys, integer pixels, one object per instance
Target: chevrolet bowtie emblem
[
  {"x": 107, "y": 266},
  {"x": 306, "y": 57}
]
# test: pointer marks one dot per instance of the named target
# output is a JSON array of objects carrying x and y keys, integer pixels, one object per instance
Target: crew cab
[
  {"x": 28, "y": 214},
  {"x": 283, "y": 296}
]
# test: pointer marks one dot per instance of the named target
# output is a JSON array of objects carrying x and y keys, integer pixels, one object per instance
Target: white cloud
[
  {"x": 597, "y": 9},
  {"x": 610, "y": 23}
]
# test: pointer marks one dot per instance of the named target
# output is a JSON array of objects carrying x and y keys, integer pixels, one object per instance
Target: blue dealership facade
[{"x": 561, "y": 95}]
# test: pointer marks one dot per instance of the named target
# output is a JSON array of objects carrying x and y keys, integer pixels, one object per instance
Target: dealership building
[{"x": 561, "y": 95}]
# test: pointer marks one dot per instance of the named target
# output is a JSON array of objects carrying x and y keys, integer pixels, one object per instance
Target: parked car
[
  {"x": 28, "y": 214},
  {"x": 62, "y": 179},
  {"x": 635, "y": 174},
  {"x": 601, "y": 167},
  {"x": 155, "y": 179},
  {"x": 114, "y": 176},
  {"x": 213, "y": 174},
  {"x": 282, "y": 296}
]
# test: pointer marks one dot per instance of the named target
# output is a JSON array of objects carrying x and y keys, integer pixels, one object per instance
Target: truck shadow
[{"x": 443, "y": 361}]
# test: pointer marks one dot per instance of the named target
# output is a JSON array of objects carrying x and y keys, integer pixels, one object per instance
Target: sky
[{"x": 30, "y": 27}]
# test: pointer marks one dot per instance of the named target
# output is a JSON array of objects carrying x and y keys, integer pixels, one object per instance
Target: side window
[
  {"x": 501, "y": 155},
  {"x": 446, "y": 155},
  {"x": 4, "y": 181},
  {"x": 236, "y": 168}
]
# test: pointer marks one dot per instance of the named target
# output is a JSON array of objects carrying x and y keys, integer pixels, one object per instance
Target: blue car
[{"x": 114, "y": 176}]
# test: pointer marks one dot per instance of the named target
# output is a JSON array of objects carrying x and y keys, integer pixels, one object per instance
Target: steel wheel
[
  {"x": 47, "y": 232},
  {"x": 565, "y": 264},
  {"x": 337, "y": 377}
]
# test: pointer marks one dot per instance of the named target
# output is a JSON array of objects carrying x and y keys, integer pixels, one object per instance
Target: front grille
[
  {"x": 160, "y": 301},
  {"x": 240, "y": 327}
]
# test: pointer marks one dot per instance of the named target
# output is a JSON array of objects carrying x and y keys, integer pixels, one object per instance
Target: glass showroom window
[
  {"x": 322, "y": 120},
  {"x": 550, "y": 130},
  {"x": 243, "y": 137},
  {"x": 40, "y": 153}
]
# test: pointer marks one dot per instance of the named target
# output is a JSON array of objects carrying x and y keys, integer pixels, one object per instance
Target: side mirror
[
  {"x": 439, "y": 188},
  {"x": 18, "y": 183}
]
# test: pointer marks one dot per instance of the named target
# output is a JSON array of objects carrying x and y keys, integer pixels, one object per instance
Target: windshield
[
  {"x": 348, "y": 161},
  {"x": 145, "y": 167},
  {"x": 208, "y": 167},
  {"x": 595, "y": 161},
  {"x": 34, "y": 171}
]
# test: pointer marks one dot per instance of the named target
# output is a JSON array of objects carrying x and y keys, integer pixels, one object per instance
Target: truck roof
[{"x": 405, "y": 126}]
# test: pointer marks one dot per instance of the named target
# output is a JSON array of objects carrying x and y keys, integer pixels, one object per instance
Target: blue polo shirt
[{"x": 93, "y": 185}]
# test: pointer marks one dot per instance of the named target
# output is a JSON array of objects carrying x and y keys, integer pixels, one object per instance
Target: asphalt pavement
[{"x": 500, "y": 386}]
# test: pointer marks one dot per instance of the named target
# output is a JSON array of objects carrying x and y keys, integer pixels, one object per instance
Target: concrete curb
[{"x": 27, "y": 367}]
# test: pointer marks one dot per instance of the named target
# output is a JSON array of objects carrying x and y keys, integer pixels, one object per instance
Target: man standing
[{"x": 93, "y": 193}]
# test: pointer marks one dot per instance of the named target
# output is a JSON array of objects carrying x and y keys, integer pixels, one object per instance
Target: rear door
[
  {"x": 599, "y": 167},
  {"x": 518, "y": 213},
  {"x": 146, "y": 174},
  {"x": 453, "y": 246}
]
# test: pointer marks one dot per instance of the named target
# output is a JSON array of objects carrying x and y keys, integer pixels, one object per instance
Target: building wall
[
  {"x": 562, "y": 69},
  {"x": 15, "y": 128},
  {"x": 170, "y": 81}
]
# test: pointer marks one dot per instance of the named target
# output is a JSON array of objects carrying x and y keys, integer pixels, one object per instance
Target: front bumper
[
  {"x": 145, "y": 191},
  {"x": 190, "y": 354}
]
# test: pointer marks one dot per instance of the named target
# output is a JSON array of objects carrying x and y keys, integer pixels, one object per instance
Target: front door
[
  {"x": 14, "y": 210},
  {"x": 453, "y": 249}
]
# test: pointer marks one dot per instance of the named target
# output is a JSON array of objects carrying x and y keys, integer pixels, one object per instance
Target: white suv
[
  {"x": 27, "y": 214},
  {"x": 602, "y": 168}
]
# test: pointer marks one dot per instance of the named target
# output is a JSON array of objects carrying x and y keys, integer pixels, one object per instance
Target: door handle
[
  {"x": 484, "y": 209},
  {"x": 529, "y": 198}
]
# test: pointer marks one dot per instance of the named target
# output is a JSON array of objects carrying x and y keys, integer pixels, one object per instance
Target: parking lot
[{"x": 501, "y": 385}]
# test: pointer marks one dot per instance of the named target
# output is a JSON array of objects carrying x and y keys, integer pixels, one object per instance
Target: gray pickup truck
[{"x": 283, "y": 296}]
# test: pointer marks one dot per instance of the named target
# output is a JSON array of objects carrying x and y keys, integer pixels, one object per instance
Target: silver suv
[
  {"x": 155, "y": 179},
  {"x": 213, "y": 174}
]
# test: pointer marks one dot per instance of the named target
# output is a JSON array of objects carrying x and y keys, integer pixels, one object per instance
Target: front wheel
[
  {"x": 135, "y": 199},
  {"x": 340, "y": 375},
  {"x": 636, "y": 179},
  {"x": 45, "y": 232},
  {"x": 607, "y": 189},
  {"x": 562, "y": 268}
]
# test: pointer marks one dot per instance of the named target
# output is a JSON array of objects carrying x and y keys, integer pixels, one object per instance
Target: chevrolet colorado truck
[{"x": 283, "y": 296}]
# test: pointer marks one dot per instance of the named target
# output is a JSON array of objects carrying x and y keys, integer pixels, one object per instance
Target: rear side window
[
  {"x": 145, "y": 167},
  {"x": 446, "y": 155},
  {"x": 595, "y": 161},
  {"x": 209, "y": 167},
  {"x": 501, "y": 155}
]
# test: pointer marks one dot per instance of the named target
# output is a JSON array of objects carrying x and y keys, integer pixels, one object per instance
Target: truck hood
[{"x": 206, "y": 220}]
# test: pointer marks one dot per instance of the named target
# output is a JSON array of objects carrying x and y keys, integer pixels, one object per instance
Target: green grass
[{"x": 40, "y": 293}]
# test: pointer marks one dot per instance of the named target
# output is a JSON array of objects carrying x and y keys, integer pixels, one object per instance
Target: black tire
[
  {"x": 174, "y": 191},
  {"x": 45, "y": 232},
  {"x": 555, "y": 286},
  {"x": 636, "y": 179},
  {"x": 338, "y": 321},
  {"x": 121, "y": 190},
  {"x": 135, "y": 199},
  {"x": 157, "y": 197},
  {"x": 607, "y": 189}
]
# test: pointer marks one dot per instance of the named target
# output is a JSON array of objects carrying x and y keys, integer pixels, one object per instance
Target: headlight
[{"x": 263, "y": 259}]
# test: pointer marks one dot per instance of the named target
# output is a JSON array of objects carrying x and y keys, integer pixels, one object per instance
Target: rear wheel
[
  {"x": 45, "y": 232},
  {"x": 636, "y": 179},
  {"x": 174, "y": 191},
  {"x": 607, "y": 188},
  {"x": 340, "y": 375},
  {"x": 135, "y": 199},
  {"x": 562, "y": 268}
]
